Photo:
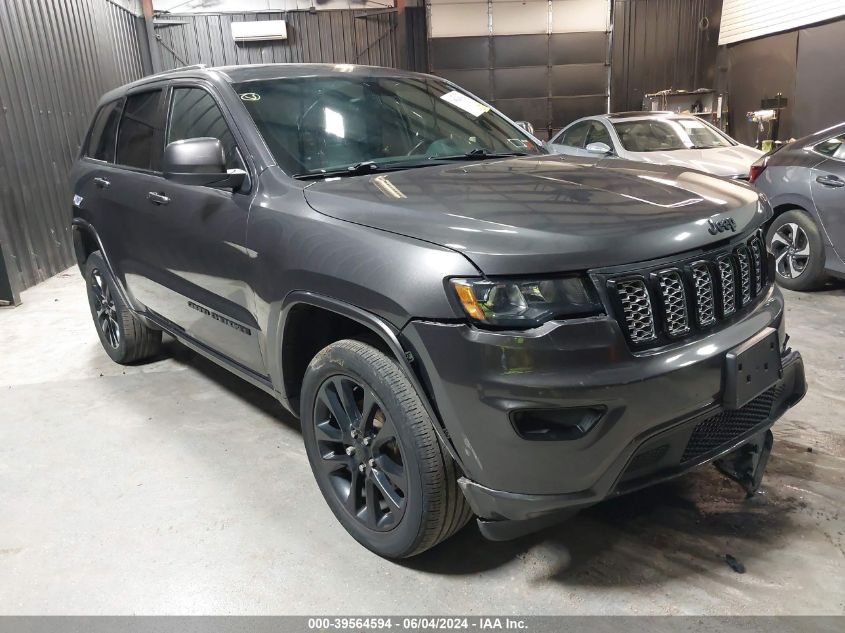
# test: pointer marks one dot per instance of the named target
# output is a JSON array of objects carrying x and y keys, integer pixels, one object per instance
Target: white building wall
[{"x": 747, "y": 19}]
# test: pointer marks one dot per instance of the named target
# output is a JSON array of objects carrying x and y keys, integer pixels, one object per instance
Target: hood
[
  {"x": 543, "y": 214},
  {"x": 721, "y": 161}
]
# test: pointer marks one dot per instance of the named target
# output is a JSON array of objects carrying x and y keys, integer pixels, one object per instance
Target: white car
[{"x": 662, "y": 138}]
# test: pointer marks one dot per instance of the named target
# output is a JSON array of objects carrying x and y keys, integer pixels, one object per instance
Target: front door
[{"x": 189, "y": 260}]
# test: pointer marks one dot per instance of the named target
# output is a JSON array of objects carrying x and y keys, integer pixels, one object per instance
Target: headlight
[{"x": 526, "y": 303}]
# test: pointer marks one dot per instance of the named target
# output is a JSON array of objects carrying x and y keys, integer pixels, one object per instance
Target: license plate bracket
[{"x": 751, "y": 368}]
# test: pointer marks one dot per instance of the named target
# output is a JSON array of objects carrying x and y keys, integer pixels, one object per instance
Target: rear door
[
  {"x": 128, "y": 242},
  {"x": 93, "y": 173},
  {"x": 827, "y": 182}
]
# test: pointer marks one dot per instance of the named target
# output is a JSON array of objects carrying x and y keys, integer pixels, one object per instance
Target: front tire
[
  {"x": 795, "y": 241},
  {"x": 125, "y": 338},
  {"x": 374, "y": 452}
]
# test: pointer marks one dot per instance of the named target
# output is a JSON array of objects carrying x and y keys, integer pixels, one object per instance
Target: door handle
[
  {"x": 157, "y": 198},
  {"x": 102, "y": 183},
  {"x": 830, "y": 181}
]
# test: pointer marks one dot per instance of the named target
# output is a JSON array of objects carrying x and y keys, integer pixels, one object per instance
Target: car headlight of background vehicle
[{"x": 518, "y": 303}]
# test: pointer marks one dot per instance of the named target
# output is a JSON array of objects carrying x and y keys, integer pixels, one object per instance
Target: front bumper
[
  {"x": 647, "y": 461},
  {"x": 653, "y": 403}
]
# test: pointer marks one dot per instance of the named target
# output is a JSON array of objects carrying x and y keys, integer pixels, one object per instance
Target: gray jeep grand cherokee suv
[{"x": 464, "y": 323}]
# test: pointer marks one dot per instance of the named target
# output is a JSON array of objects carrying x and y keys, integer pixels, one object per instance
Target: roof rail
[{"x": 179, "y": 69}]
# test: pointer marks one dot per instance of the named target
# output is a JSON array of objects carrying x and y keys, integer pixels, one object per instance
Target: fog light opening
[{"x": 555, "y": 424}]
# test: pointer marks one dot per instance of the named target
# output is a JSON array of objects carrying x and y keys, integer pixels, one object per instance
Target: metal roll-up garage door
[{"x": 536, "y": 60}]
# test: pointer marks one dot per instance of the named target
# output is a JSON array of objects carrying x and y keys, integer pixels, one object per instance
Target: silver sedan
[{"x": 661, "y": 138}]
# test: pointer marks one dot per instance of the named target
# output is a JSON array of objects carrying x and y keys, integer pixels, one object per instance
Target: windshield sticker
[
  {"x": 250, "y": 96},
  {"x": 465, "y": 103}
]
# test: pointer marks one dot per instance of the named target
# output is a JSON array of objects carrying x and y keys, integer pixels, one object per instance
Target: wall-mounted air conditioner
[{"x": 259, "y": 30}]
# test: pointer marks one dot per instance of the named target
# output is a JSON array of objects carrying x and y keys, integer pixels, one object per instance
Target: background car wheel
[
  {"x": 374, "y": 452},
  {"x": 796, "y": 243},
  {"x": 124, "y": 336}
]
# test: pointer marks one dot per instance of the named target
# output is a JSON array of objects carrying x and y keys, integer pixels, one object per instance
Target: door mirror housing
[
  {"x": 599, "y": 148},
  {"x": 201, "y": 162}
]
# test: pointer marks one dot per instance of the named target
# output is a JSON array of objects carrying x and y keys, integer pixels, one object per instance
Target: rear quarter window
[{"x": 101, "y": 139}]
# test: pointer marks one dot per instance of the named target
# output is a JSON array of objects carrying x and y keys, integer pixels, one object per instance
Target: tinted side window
[
  {"x": 104, "y": 132},
  {"x": 193, "y": 114},
  {"x": 576, "y": 135},
  {"x": 139, "y": 136}
]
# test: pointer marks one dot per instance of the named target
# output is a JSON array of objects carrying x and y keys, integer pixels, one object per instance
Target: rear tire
[
  {"x": 796, "y": 242},
  {"x": 376, "y": 457},
  {"x": 123, "y": 335}
]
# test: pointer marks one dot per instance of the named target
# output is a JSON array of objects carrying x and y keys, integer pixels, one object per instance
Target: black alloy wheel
[
  {"x": 360, "y": 452},
  {"x": 106, "y": 312},
  {"x": 375, "y": 454},
  {"x": 123, "y": 335}
]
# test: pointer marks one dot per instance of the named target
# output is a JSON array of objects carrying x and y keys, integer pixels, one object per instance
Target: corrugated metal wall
[
  {"x": 57, "y": 57},
  {"x": 659, "y": 44},
  {"x": 352, "y": 37}
]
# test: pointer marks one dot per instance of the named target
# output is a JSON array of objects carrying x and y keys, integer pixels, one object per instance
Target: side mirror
[
  {"x": 599, "y": 148},
  {"x": 201, "y": 162},
  {"x": 525, "y": 125}
]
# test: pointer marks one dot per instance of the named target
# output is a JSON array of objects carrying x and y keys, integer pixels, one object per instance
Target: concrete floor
[{"x": 173, "y": 487}]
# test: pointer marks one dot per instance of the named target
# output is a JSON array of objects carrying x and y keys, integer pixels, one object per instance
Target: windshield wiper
[
  {"x": 368, "y": 166},
  {"x": 356, "y": 169},
  {"x": 479, "y": 153}
]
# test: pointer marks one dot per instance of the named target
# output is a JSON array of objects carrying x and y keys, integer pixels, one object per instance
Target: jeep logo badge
[{"x": 727, "y": 224}]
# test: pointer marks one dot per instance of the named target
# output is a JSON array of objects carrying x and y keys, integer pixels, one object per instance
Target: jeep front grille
[
  {"x": 705, "y": 305},
  {"x": 726, "y": 276},
  {"x": 670, "y": 302},
  {"x": 758, "y": 259},
  {"x": 636, "y": 306},
  {"x": 674, "y": 302},
  {"x": 745, "y": 283}
]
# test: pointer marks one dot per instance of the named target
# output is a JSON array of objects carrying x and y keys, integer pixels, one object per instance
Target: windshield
[
  {"x": 654, "y": 135},
  {"x": 320, "y": 124}
]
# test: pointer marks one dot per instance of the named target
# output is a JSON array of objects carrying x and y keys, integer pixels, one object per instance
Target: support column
[{"x": 152, "y": 42}]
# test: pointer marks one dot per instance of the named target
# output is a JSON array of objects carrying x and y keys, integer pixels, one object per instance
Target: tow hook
[{"x": 747, "y": 464}]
